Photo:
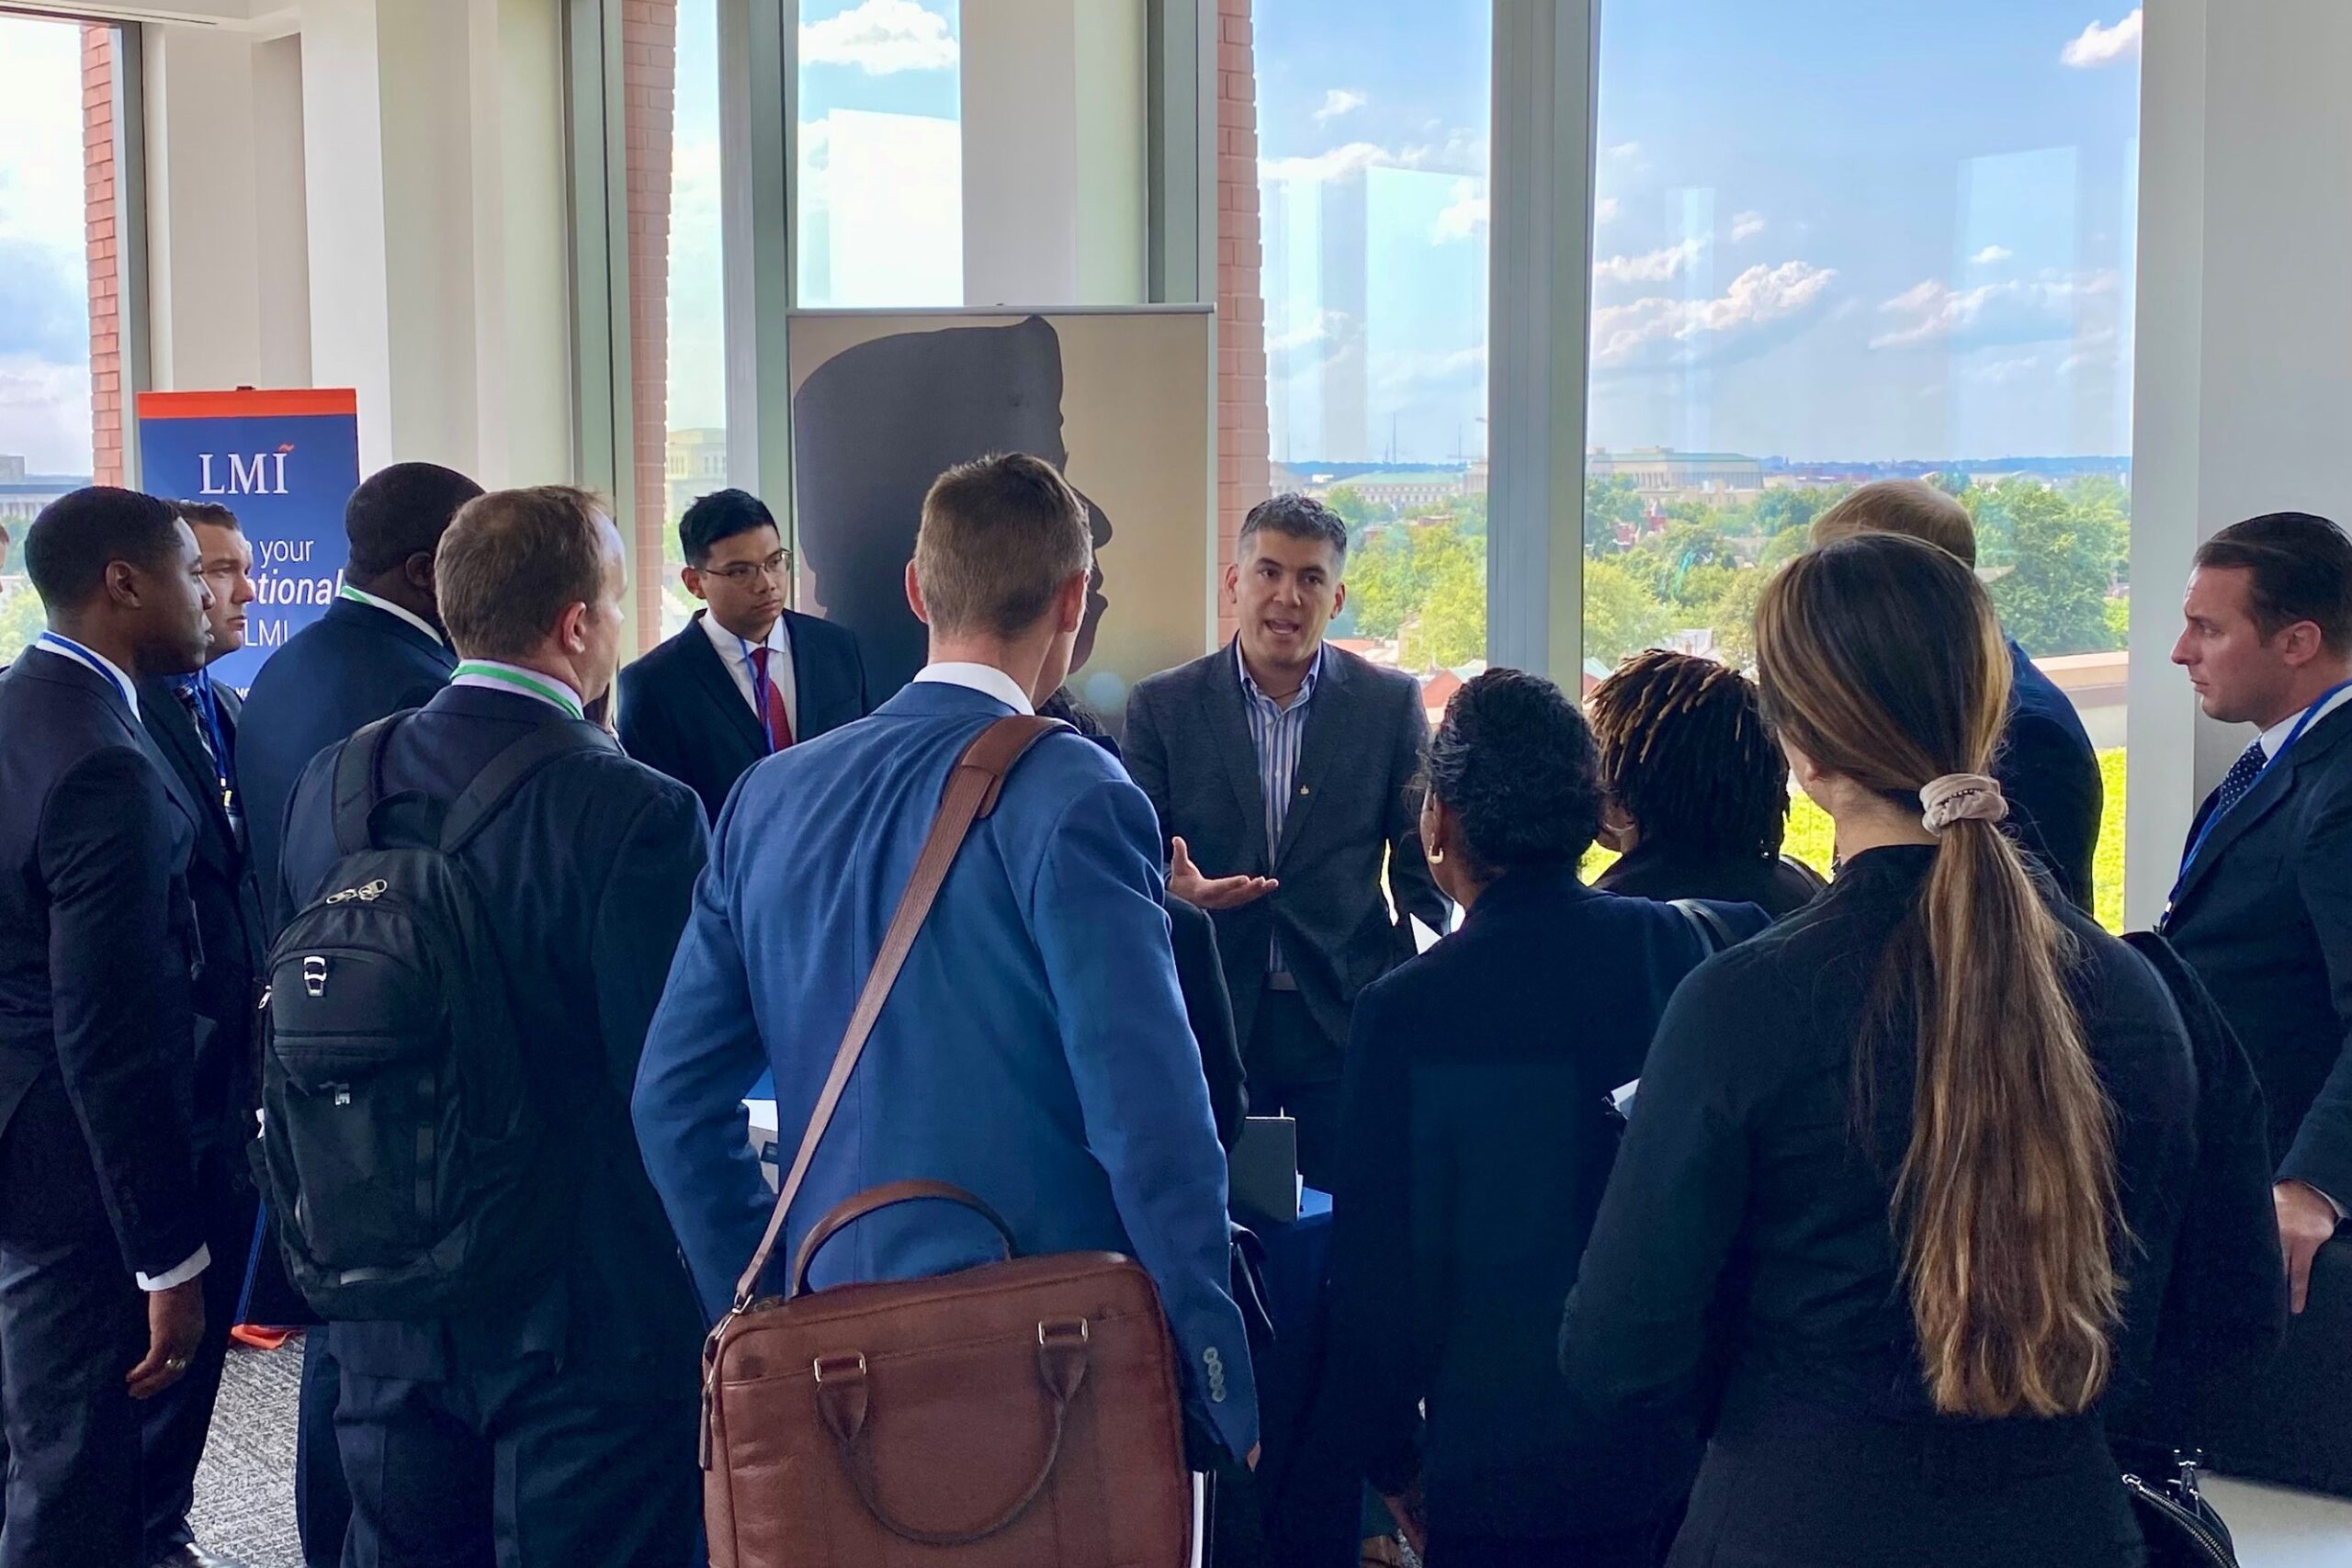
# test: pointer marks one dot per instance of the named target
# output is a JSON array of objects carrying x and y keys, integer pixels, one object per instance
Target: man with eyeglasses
[{"x": 747, "y": 677}]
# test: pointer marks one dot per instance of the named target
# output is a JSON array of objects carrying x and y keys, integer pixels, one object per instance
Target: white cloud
[
  {"x": 1465, "y": 217},
  {"x": 1605, "y": 211},
  {"x": 1654, "y": 266},
  {"x": 2000, "y": 371},
  {"x": 41, "y": 126},
  {"x": 1338, "y": 162},
  {"x": 1747, "y": 226},
  {"x": 2100, "y": 46},
  {"x": 45, "y": 414},
  {"x": 2035, "y": 311},
  {"x": 880, "y": 38},
  {"x": 1992, "y": 255},
  {"x": 1626, "y": 150},
  {"x": 1339, "y": 101},
  {"x": 1685, "y": 329},
  {"x": 1325, "y": 326}
]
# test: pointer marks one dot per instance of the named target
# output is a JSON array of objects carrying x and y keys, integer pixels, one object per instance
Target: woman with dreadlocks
[{"x": 1695, "y": 789}]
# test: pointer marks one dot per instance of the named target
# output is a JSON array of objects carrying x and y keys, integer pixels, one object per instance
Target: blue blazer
[
  {"x": 681, "y": 714},
  {"x": 352, "y": 666},
  {"x": 1034, "y": 1052},
  {"x": 96, "y": 946},
  {"x": 2050, "y": 777},
  {"x": 587, "y": 871}
]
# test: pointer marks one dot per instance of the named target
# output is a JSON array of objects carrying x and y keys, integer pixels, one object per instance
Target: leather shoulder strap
[{"x": 973, "y": 786}]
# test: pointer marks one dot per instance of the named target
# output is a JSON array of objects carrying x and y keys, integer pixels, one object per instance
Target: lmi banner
[{"x": 284, "y": 462}]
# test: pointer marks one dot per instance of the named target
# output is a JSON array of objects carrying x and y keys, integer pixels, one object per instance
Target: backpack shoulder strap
[
  {"x": 973, "y": 786},
  {"x": 357, "y": 790},
  {"x": 1714, "y": 932},
  {"x": 506, "y": 772}
]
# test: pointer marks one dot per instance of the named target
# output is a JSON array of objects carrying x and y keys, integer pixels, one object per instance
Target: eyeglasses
[{"x": 778, "y": 566}]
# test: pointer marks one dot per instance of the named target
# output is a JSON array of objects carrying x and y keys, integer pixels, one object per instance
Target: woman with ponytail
[{"x": 1903, "y": 1182}]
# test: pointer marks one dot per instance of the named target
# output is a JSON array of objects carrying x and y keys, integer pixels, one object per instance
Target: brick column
[
  {"x": 1242, "y": 472},
  {"x": 98, "y": 242},
  {"x": 649, "y": 91}
]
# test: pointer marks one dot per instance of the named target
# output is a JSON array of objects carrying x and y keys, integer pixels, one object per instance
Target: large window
[
  {"x": 881, "y": 160},
  {"x": 694, "y": 372},
  {"x": 46, "y": 409},
  {"x": 1837, "y": 243},
  {"x": 1372, "y": 126}
]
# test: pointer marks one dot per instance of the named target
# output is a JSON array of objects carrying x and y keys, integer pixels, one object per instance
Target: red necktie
[{"x": 777, "y": 722}]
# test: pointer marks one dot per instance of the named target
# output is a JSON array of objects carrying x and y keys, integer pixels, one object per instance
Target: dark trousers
[
  {"x": 1285, "y": 1062},
  {"x": 172, "y": 1425},
  {"x": 1624, "y": 1549},
  {"x": 71, "y": 1322},
  {"x": 518, "y": 1466},
  {"x": 321, "y": 1500}
]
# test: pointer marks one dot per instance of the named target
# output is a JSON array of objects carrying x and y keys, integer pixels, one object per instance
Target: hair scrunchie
[{"x": 1962, "y": 798}]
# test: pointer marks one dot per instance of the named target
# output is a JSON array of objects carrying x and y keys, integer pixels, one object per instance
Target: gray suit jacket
[{"x": 1188, "y": 746}]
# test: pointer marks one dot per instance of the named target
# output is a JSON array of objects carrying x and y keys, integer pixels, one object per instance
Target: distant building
[
  {"x": 1658, "y": 474},
  {"x": 22, "y": 495},
  {"x": 697, "y": 465},
  {"x": 1402, "y": 493}
]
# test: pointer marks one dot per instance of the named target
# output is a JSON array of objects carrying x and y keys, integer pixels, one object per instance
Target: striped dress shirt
[{"x": 1276, "y": 732}]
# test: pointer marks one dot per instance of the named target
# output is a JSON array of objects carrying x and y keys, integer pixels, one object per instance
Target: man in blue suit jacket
[
  {"x": 102, "y": 1254},
  {"x": 2049, "y": 773},
  {"x": 747, "y": 677},
  {"x": 1034, "y": 1052},
  {"x": 554, "y": 1428},
  {"x": 378, "y": 649}
]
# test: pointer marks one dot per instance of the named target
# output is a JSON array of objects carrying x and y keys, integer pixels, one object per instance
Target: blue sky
[
  {"x": 44, "y": 280},
  {"x": 1851, "y": 229}
]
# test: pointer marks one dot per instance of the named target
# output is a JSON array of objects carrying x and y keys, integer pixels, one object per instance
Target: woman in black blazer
[
  {"x": 1917, "y": 1175},
  {"x": 1697, "y": 790},
  {"x": 1477, "y": 1140}
]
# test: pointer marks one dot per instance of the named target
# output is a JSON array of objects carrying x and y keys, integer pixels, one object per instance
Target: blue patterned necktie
[{"x": 2240, "y": 778}]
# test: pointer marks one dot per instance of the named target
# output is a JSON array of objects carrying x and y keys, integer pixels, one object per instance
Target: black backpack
[{"x": 400, "y": 1150}]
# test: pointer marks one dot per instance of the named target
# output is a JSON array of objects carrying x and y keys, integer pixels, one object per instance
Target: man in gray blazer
[{"x": 1282, "y": 770}]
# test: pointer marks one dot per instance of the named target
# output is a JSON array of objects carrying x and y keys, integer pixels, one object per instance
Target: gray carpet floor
[{"x": 244, "y": 1490}]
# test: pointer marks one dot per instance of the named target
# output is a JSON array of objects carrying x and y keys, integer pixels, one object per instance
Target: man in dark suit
[
  {"x": 556, "y": 1428},
  {"x": 378, "y": 649},
  {"x": 102, "y": 1253},
  {"x": 2048, "y": 772},
  {"x": 193, "y": 722},
  {"x": 2263, "y": 907},
  {"x": 747, "y": 677},
  {"x": 1281, "y": 768}
]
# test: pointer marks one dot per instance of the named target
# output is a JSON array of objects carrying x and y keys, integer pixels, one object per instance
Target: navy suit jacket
[
  {"x": 2264, "y": 915},
  {"x": 681, "y": 714},
  {"x": 1188, "y": 746},
  {"x": 2050, "y": 777},
  {"x": 96, "y": 943},
  {"x": 1033, "y": 1052},
  {"x": 1478, "y": 1076},
  {"x": 229, "y": 924},
  {"x": 588, "y": 870},
  {"x": 352, "y": 666}
]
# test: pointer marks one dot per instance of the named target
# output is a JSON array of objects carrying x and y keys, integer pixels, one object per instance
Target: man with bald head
[{"x": 2045, "y": 764}]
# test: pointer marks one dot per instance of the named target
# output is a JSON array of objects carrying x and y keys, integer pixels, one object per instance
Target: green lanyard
[{"x": 507, "y": 675}]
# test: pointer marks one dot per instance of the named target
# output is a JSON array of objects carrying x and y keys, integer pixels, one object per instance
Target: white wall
[{"x": 2244, "y": 356}]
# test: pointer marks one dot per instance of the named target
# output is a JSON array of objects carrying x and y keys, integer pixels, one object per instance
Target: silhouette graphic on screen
[{"x": 873, "y": 425}]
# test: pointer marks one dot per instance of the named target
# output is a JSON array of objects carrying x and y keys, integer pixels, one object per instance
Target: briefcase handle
[{"x": 874, "y": 1200}]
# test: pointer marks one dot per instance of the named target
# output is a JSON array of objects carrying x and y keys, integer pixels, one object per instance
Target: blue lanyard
[
  {"x": 2197, "y": 844},
  {"x": 73, "y": 651},
  {"x": 207, "y": 708},
  {"x": 758, "y": 687}
]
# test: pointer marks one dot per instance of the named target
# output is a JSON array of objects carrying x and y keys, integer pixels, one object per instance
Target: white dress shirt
[
  {"x": 361, "y": 596},
  {"x": 985, "y": 679},
  {"x": 736, "y": 655}
]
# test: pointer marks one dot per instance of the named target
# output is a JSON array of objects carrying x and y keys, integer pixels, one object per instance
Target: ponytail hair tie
[{"x": 1962, "y": 798}]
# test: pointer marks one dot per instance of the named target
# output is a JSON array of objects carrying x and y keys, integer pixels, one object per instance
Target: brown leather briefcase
[{"x": 1022, "y": 1413}]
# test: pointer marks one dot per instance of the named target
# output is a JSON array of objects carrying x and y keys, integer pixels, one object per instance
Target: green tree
[
  {"x": 1449, "y": 624},
  {"x": 1732, "y": 614},
  {"x": 22, "y": 618},
  {"x": 1352, "y": 506},
  {"x": 2053, "y": 597},
  {"x": 1608, "y": 503},
  {"x": 1382, "y": 583},
  {"x": 2118, "y": 611},
  {"x": 1621, "y": 615}
]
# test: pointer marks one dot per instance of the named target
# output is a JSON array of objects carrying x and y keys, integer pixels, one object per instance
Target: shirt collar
[
  {"x": 91, "y": 659},
  {"x": 1306, "y": 687},
  {"x": 2276, "y": 736},
  {"x": 490, "y": 675},
  {"x": 361, "y": 596},
  {"x": 985, "y": 679},
  {"x": 733, "y": 649}
]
